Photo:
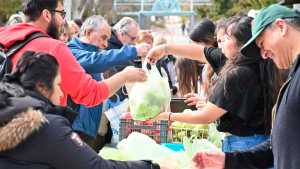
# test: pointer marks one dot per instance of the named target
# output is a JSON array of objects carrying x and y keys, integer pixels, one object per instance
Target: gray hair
[
  {"x": 295, "y": 22},
  {"x": 92, "y": 23},
  {"x": 124, "y": 24}
]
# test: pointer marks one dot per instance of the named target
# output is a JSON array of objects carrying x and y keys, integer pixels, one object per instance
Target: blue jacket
[{"x": 95, "y": 62}]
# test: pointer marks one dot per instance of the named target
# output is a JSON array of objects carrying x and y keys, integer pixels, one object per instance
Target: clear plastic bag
[{"x": 148, "y": 99}]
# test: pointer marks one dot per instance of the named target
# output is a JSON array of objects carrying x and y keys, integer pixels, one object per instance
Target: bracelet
[{"x": 170, "y": 113}]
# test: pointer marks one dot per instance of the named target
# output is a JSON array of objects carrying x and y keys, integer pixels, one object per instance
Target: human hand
[
  {"x": 200, "y": 104},
  {"x": 162, "y": 116},
  {"x": 132, "y": 74},
  {"x": 156, "y": 53},
  {"x": 191, "y": 99},
  {"x": 209, "y": 160},
  {"x": 142, "y": 49}
]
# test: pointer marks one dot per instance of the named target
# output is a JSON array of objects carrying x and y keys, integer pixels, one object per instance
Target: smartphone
[{"x": 178, "y": 105}]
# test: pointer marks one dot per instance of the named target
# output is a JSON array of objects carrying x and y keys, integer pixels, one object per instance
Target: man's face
[
  {"x": 273, "y": 44},
  {"x": 130, "y": 36},
  {"x": 100, "y": 37},
  {"x": 74, "y": 29},
  {"x": 57, "y": 21}
]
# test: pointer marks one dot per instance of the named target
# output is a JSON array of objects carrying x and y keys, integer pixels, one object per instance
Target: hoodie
[{"x": 82, "y": 88}]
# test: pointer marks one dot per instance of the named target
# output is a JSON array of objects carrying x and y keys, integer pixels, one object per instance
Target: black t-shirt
[
  {"x": 215, "y": 58},
  {"x": 285, "y": 133},
  {"x": 240, "y": 94}
]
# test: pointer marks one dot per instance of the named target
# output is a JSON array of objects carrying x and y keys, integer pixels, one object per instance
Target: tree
[
  {"x": 227, "y": 8},
  {"x": 84, "y": 8},
  {"x": 246, "y": 5},
  {"x": 7, "y": 8}
]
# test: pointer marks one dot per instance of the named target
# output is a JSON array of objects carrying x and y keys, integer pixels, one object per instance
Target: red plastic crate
[{"x": 157, "y": 130}]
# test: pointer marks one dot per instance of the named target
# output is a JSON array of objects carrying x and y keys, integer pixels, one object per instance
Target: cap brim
[{"x": 250, "y": 49}]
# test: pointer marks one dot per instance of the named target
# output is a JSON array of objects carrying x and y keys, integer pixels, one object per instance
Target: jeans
[
  {"x": 233, "y": 142},
  {"x": 236, "y": 143}
]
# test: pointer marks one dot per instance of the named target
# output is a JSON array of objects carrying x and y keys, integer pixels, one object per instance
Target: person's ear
[
  {"x": 42, "y": 89},
  {"x": 46, "y": 15},
  {"x": 88, "y": 34},
  {"x": 282, "y": 25}
]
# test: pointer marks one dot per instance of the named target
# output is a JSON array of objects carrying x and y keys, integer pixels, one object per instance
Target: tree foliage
[
  {"x": 7, "y": 8},
  {"x": 226, "y": 8}
]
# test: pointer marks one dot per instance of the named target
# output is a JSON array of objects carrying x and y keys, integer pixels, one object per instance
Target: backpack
[{"x": 7, "y": 53}]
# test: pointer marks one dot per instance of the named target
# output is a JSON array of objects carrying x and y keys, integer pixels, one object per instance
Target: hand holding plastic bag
[{"x": 149, "y": 98}]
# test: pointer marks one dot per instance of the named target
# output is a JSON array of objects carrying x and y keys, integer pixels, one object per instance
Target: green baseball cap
[{"x": 264, "y": 18}]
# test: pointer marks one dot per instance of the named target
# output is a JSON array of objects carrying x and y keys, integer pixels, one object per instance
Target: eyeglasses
[
  {"x": 131, "y": 37},
  {"x": 62, "y": 13}
]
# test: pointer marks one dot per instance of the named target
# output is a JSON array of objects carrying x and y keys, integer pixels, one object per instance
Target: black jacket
[
  {"x": 114, "y": 42},
  {"x": 33, "y": 136}
]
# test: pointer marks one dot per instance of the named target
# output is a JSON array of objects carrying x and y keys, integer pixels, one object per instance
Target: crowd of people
[{"x": 240, "y": 73}]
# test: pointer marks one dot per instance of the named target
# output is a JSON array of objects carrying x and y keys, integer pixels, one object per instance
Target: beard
[{"x": 53, "y": 29}]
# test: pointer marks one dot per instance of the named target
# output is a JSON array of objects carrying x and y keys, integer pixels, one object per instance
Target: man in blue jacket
[{"x": 94, "y": 35}]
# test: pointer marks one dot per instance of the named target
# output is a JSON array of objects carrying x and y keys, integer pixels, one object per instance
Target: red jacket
[{"x": 75, "y": 82}]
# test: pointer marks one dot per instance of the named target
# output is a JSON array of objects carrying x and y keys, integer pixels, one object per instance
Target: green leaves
[
  {"x": 227, "y": 8},
  {"x": 7, "y": 8}
]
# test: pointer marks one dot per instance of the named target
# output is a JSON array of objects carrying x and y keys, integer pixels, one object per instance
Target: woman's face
[
  {"x": 230, "y": 47},
  {"x": 57, "y": 92},
  {"x": 220, "y": 37}
]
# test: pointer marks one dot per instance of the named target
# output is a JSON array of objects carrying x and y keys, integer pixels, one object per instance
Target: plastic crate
[
  {"x": 157, "y": 130},
  {"x": 178, "y": 133}
]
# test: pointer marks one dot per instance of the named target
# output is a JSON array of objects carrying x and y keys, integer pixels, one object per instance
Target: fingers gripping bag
[{"x": 147, "y": 99}]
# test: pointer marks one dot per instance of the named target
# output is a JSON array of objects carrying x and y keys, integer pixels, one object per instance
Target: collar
[
  {"x": 85, "y": 46},
  {"x": 294, "y": 66},
  {"x": 114, "y": 40}
]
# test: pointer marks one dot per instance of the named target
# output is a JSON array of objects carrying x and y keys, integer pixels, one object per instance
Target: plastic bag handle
[
  {"x": 163, "y": 73},
  {"x": 144, "y": 66}
]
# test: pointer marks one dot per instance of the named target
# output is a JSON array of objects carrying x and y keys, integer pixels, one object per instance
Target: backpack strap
[
  {"x": 6, "y": 66},
  {"x": 20, "y": 44}
]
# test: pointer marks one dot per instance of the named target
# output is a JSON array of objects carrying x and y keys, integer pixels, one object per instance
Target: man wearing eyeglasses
[
  {"x": 125, "y": 32},
  {"x": 47, "y": 16}
]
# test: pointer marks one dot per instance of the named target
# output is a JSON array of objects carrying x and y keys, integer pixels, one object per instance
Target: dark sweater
[{"x": 285, "y": 146}]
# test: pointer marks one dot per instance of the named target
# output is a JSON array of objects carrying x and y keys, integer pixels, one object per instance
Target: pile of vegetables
[
  {"x": 181, "y": 130},
  {"x": 137, "y": 146},
  {"x": 141, "y": 147}
]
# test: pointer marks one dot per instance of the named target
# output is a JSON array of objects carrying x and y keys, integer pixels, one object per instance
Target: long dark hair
[
  {"x": 187, "y": 75},
  {"x": 204, "y": 32},
  {"x": 35, "y": 69},
  {"x": 188, "y": 70},
  {"x": 269, "y": 77}
]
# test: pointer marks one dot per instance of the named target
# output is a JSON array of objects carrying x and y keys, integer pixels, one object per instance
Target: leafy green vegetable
[
  {"x": 148, "y": 99},
  {"x": 215, "y": 136},
  {"x": 181, "y": 130},
  {"x": 112, "y": 154}
]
